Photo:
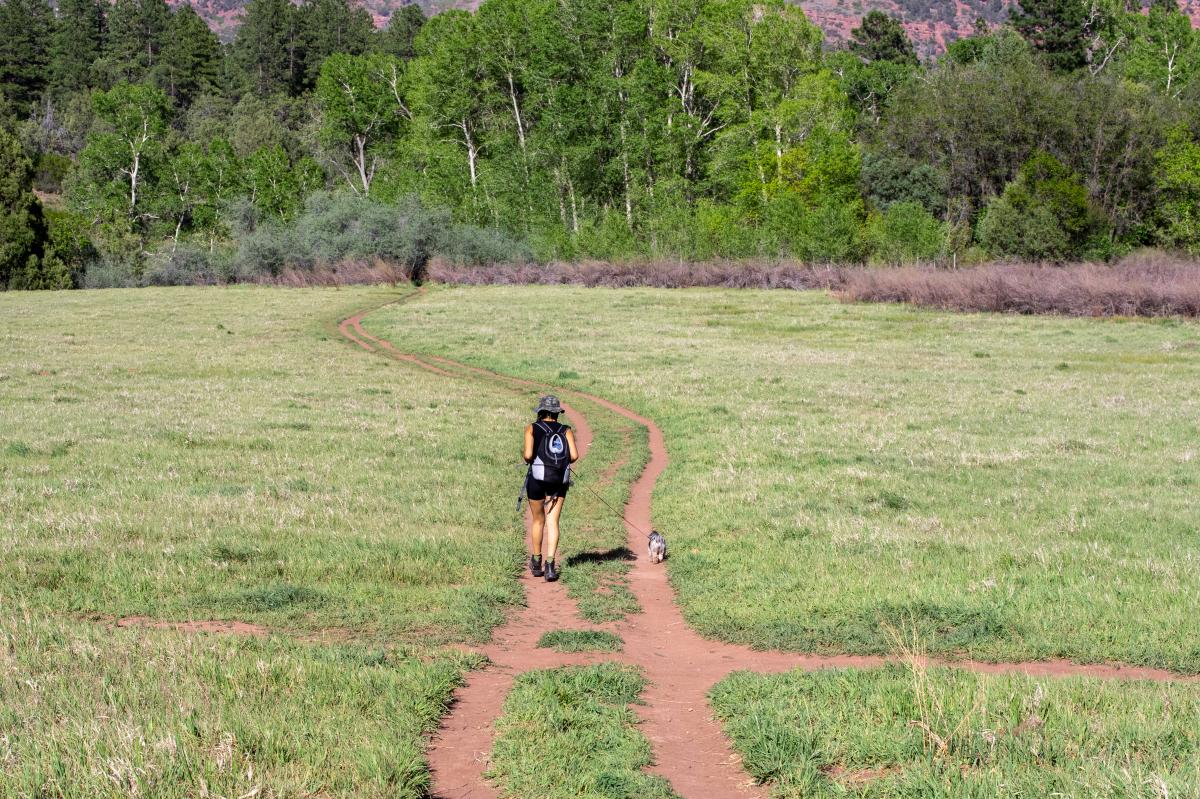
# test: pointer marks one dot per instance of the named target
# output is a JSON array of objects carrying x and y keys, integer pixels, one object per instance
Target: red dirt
[
  {"x": 227, "y": 627},
  {"x": 690, "y": 748}
]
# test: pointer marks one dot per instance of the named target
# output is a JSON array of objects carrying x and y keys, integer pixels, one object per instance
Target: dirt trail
[{"x": 690, "y": 748}]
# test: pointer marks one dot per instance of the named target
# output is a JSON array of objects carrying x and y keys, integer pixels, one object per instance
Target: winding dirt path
[{"x": 690, "y": 748}]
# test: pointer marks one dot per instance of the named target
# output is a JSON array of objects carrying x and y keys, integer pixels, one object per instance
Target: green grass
[
  {"x": 840, "y": 470},
  {"x": 570, "y": 732},
  {"x": 581, "y": 641},
  {"x": 896, "y": 733},
  {"x": 89, "y": 711},
  {"x": 225, "y": 454}
]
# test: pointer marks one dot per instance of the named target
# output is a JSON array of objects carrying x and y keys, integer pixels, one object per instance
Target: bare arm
[
  {"x": 527, "y": 450},
  {"x": 570, "y": 444}
]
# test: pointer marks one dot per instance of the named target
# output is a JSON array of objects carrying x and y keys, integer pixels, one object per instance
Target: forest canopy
[{"x": 137, "y": 148}]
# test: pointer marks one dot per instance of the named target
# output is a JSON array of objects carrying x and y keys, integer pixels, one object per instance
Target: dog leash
[{"x": 606, "y": 504}]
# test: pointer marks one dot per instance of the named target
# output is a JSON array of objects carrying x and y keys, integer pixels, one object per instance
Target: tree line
[{"x": 596, "y": 128}]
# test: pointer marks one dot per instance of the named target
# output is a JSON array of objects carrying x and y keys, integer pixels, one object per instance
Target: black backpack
[{"x": 551, "y": 453}]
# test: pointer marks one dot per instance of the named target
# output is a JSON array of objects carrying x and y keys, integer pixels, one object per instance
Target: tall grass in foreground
[
  {"x": 91, "y": 711},
  {"x": 569, "y": 732},
  {"x": 905, "y": 732}
]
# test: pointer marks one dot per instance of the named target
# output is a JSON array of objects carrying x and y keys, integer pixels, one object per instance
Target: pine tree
[
  {"x": 267, "y": 48},
  {"x": 401, "y": 32},
  {"x": 76, "y": 44},
  {"x": 881, "y": 37},
  {"x": 137, "y": 31},
  {"x": 1056, "y": 29},
  {"x": 328, "y": 27},
  {"x": 22, "y": 228},
  {"x": 26, "y": 27},
  {"x": 191, "y": 59}
]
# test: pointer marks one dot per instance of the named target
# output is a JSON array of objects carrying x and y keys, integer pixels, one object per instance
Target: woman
[{"x": 549, "y": 450}]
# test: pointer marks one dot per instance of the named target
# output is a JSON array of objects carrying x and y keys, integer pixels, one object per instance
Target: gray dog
[{"x": 657, "y": 547}]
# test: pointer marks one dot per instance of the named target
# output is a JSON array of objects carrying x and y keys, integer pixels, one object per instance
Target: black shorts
[{"x": 540, "y": 489}]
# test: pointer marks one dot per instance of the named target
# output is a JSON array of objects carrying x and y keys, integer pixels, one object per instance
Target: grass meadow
[
  {"x": 1009, "y": 486},
  {"x": 201, "y": 454},
  {"x": 905, "y": 732},
  {"x": 1000, "y": 487}
]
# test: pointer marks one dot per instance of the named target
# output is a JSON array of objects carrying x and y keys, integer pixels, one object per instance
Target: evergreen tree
[
  {"x": 76, "y": 44},
  {"x": 191, "y": 59},
  {"x": 881, "y": 37},
  {"x": 1057, "y": 29},
  {"x": 400, "y": 35},
  {"x": 22, "y": 228},
  {"x": 328, "y": 27},
  {"x": 26, "y": 27},
  {"x": 267, "y": 49},
  {"x": 136, "y": 32}
]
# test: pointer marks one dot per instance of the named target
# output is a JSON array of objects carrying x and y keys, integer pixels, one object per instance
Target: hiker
[{"x": 549, "y": 450}]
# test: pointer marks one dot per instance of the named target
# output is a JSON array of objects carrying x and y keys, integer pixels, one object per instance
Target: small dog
[{"x": 657, "y": 547}]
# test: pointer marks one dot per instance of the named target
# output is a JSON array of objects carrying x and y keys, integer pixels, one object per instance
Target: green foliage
[
  {"x": 905, "y": 233},
  {"x": 136, "y": 32},
  {"x": 363, "y": 109},
  {"x": 191, "y": 58},
  {"x": 881, "y": 37},
  {"x": 22, "y": 228},
  {"x": 26, "y": 27},
  {"x": 601, "y": 129},
  {"x": 328, "y": 27},
  {"x": 266, "y": 50},
  {"x": 1044, "y": 214},
  {"x": 277, "y": 185},
  {"x": 344, "y": 227},
  {"x": 398, "y": 38},
  {"x": 888, "y": 179},
  {"x": 76, "y": 44},
  {"x": 69, "y": 245},
  {"x": 1057, "y": 29},
  {"x": 1177, "y": 179},
  {"x": 1163, "y": 49},
  {"x": 124, "y": 150}
]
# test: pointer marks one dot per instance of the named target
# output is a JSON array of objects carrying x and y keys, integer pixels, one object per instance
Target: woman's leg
[
  {"x": 552, "y": 528},
  {"x": 539, "y": 524}
]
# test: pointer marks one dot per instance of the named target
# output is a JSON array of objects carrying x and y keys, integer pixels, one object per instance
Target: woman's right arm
[{"x": 527, "y": 451}]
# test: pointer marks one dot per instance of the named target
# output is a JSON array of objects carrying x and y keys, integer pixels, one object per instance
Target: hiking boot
[
  {"x": 535, "y": 565},
  {"x": 551, "y": 572}
]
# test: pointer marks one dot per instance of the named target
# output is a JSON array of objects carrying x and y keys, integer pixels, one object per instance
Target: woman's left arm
[{"x": 571, "y": 445}]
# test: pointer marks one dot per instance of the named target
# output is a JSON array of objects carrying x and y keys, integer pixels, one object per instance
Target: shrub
[
  {"x": 338, "y": 228},
  {"x": 1044, "y": 214},
  {"x": 905, "y": 233},
  {"x": 106, "y": 273},
  {"x": 186, "y": 266}
]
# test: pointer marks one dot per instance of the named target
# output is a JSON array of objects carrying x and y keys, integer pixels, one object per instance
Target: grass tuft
[
  {"x": 570, "y": 732},
  {"x": 581, "y": 641}
]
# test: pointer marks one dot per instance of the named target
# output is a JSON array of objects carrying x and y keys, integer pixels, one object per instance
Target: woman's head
[{"x": 549, "y": 407}]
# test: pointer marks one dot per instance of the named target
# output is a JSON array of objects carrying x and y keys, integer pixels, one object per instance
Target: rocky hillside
[{"x": 931, "y": 23}]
